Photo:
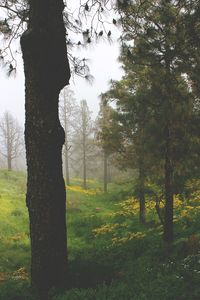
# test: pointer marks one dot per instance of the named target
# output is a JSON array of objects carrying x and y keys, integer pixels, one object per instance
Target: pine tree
[
  {"x": 108, "y": 134},
  {"x": 158, "y": 34}
]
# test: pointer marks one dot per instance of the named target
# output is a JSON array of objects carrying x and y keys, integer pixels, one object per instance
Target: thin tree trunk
[
  {"x": 66, "y": 162},
  {"x": 84, "y": 166},
  {"x": 66, "y": 144},
  {"x": 168, "y": 217},
  {"x": 84, "y": 138},
  {"x": 168, "y": 168},
  {"x": 9, "y": 163},
  {"x": 142, "y": 215},
  {"x": 9, "y": 146},
  {"x": 46, "y": 73},
  {"x": 105, "y": 177}
]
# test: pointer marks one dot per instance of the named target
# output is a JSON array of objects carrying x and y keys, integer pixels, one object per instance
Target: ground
[{"x": 111, "y": 256}]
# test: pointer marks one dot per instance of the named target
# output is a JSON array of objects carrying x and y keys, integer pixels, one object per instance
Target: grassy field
[{"x": 111, "y": 256}]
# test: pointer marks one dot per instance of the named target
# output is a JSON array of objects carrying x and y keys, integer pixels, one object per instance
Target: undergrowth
[{"x": 111, "y": 256}]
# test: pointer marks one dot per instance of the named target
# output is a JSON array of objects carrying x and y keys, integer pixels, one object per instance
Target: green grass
[{"x": 121, "y": 260}]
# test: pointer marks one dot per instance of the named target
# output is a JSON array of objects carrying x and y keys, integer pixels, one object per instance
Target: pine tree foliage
[
  {"x": 156, "y": 96},
  {"x": 86, "y": 22}
]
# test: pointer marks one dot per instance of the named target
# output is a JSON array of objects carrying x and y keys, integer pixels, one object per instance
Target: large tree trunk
[
  {"x": 168, "y": 218},
  {"x": 46, "y": 73}
]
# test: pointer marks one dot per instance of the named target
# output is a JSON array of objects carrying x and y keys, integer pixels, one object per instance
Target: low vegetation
[{"x": 111, "y": 256}]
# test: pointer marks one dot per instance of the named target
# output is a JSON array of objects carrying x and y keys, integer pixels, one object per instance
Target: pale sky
[{"x": 103, "y": 65}]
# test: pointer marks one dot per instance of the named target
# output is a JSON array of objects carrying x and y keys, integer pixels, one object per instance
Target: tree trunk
[
  {"x": 66, "y": 162},
  {"x": 84, "y": 166},
  {"x": 168, "y": 217},
  {"x": 9, "y": 163},
  {"x": 66, "y": 149},
  {"x": 142, "y": 216},
  {"x": 105, "y": 177},
  {"x": 9, "y": 144},
  {"x": 46, "y": 73}
]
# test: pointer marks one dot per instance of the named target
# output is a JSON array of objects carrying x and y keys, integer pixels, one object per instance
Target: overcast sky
[{"x": 103, "y": 65}]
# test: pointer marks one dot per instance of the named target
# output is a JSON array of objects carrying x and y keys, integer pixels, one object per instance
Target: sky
[{"x": 103, "y": 66}]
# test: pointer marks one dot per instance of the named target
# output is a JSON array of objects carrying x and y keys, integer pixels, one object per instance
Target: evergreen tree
[
  {"x": 158, "y": 33},
  {"x": 108, "y": 134},
  {"x": 83, "y": 140},
  {"x": 68, "y": 111}
]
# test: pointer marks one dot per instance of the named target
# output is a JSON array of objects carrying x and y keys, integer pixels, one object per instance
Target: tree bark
[
  {"x": 168, "y": 217},
  {"x": 46, "y": 73}
]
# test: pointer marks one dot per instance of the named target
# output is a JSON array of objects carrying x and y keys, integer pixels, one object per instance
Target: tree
[
  {"x": 46, "y": 73},
  {"x": 68, "y": 109},
  {"x": 83, "y": 139},
  {"x": 10, "y": 137},
  {"x": 158, "y": 31},
  {"x": 131, "y": 97},
  {"x": 108, "y": 134}
]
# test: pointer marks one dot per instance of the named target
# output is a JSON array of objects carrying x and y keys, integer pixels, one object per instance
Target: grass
[{"x": 111, "y": 256}]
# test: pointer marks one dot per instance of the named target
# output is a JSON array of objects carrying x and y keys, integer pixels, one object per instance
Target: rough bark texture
[{"x": 46, "y": 73}]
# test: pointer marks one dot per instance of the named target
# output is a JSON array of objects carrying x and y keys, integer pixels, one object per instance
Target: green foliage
[
  {"x": 111, "y": 256},
  {"x": 109, "y": 131}
]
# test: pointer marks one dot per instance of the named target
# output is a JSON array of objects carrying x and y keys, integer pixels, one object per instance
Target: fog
[{"x": 102, "y": 60}]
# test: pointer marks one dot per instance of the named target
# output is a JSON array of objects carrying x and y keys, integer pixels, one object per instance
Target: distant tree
[
  {"x": 108, "y": 134},
  {"x": 68, "y": 110},
  {"x": 84, "y": 139},
  {"x": 11, "y": 138},
  {"x": 134, "y": 116}
]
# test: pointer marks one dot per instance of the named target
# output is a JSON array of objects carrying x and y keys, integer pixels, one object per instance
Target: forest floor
[{"x": 111, "y": 256}]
